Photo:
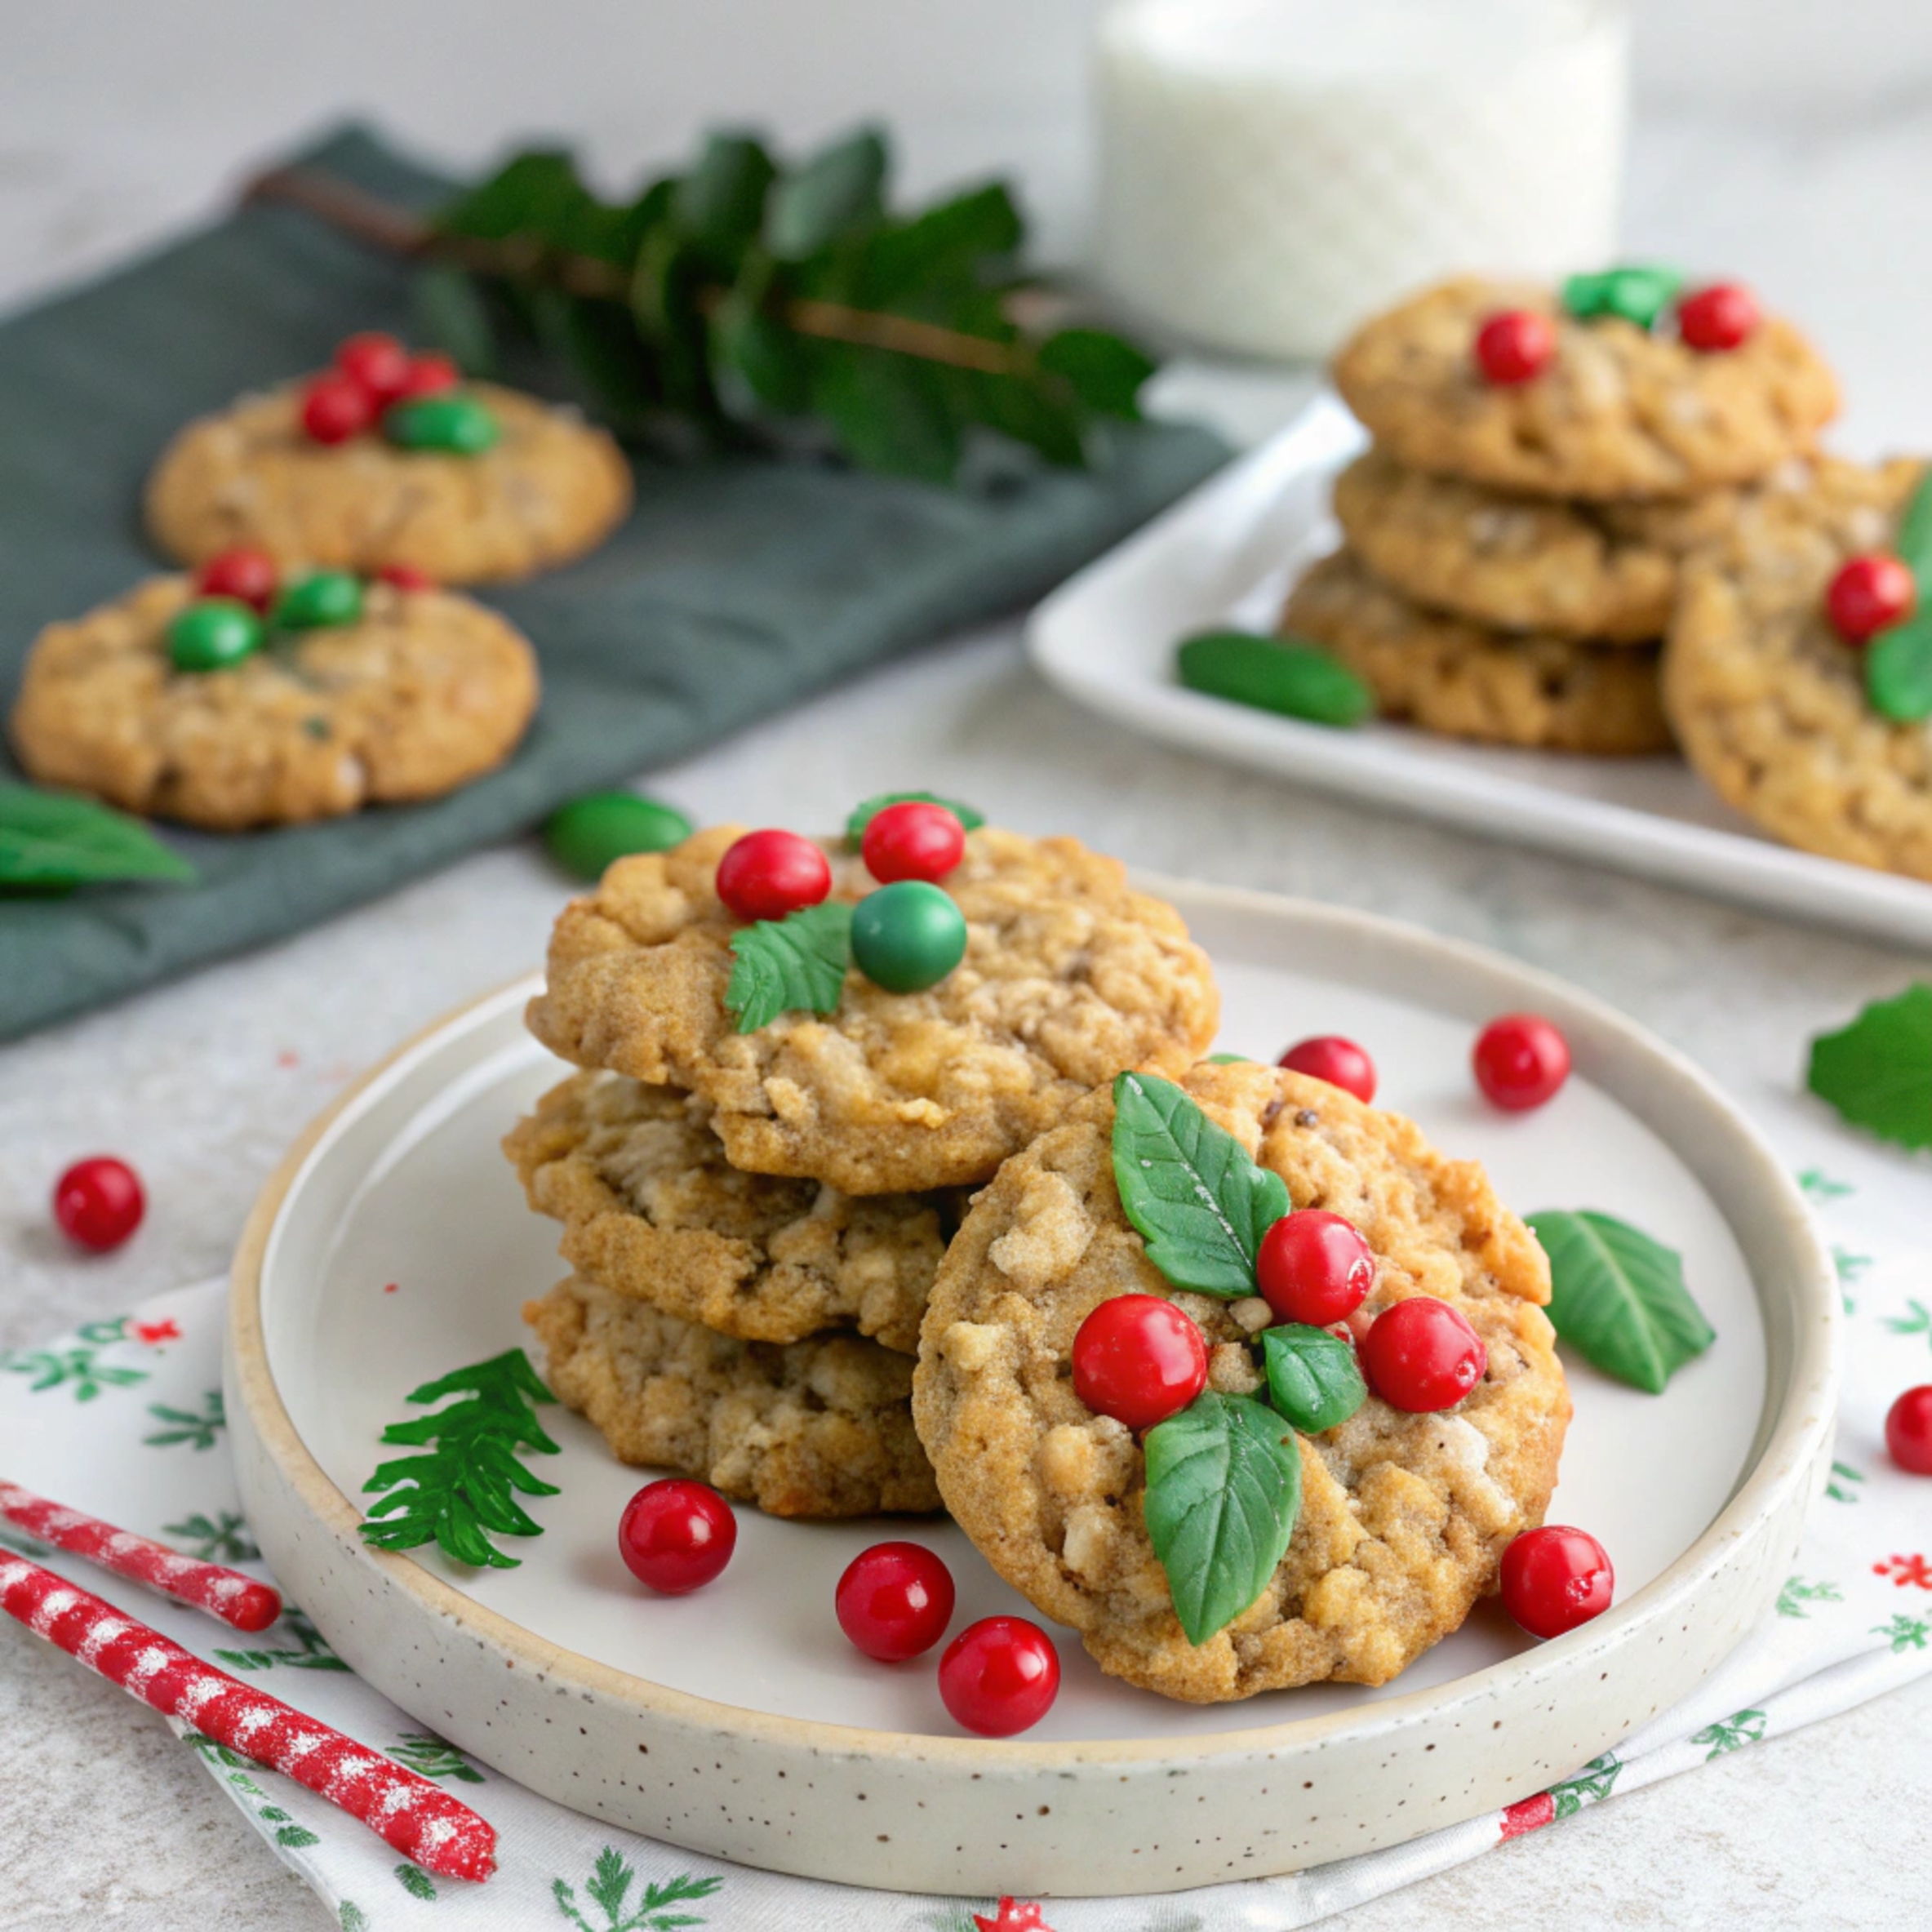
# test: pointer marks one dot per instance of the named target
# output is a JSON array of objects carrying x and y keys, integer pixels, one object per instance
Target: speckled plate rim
[{"x": 1759, "y": 1525}]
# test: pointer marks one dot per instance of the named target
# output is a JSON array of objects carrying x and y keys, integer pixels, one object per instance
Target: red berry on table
[
  {"x": 379, "y": 363},
  {"x": 1000, "y": 1676},
  {"x": 1869, "y": 594},
  {"x": 1139, "y": 1359},
  {"x": 1724, "y": 316},
  {"x": 335, "y": 408},
  {"x": 431, "y": 374},
  {"x": 249, "y": 576},
  {"x": 676, "y": 1535},
  {"x": 99, "y": 1202},
  {"x": 405, "y": 576},
  {"x": 1341, "y": 1062},
  {"x": 1314, "y": 1267},
  {"x": 1909, "y": 1430},
  {"x": 912, "y": 840},
  {"x": 1515, "y": 346},
  {"x": 1422, "y": 1354},
  {"x": 895, "y": 1601},
  {"x": 1520, "y": 1060},
  {"x": 766, "y": 875},
  {"x": 1555, "y": 1579}
]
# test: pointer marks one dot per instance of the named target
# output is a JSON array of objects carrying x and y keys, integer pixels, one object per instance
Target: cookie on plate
[
  {"x": 651, "y": 1209},
  {"x": 1617, "y": 410},
  {"x": 1069, "y": 976},
  {"x": 821, "y": 1428},
  {"x": 416, "y": 693},
  {"x": 1603, "y": 570},
  {"x": 1403, "y": 1517},
  {"x": 546, "y": 487},
  {"x": 1453, "y": 676},
  {"x": 1770, "y": 703}
]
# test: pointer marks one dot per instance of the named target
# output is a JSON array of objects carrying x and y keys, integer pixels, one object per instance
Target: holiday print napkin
[{"x": 124, "y": 1418}]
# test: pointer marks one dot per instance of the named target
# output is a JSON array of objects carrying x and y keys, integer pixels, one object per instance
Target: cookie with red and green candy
[
  {"x": 895, "y": 1011},
  {"x": 389, "y": 458}
]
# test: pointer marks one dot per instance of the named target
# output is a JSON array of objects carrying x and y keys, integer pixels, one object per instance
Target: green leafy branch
[{"x": 609, "y": 1887}]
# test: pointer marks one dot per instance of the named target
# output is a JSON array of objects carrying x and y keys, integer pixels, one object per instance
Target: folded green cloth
[{"x": 739, "y": 586}]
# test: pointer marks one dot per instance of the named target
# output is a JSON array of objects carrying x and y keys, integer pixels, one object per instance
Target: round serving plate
[{"x": 394, "y": 1245}]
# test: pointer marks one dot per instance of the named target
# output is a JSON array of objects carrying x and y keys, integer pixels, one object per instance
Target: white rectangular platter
[{"x": 1227, "y": 554}]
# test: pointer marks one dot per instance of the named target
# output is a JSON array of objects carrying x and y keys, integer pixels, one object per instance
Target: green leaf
[
  {"x": 1899, "y": 669},
  {"x": 53, "y": 839},
  {"x": 1295, "y": 679},
  {"x": 1913, "y": 544},
  {"x": 1199, "y": 1200},
  {"x": 839, "y": 186},
  {"x": 956, "y": 241},
  {"x": 1106, "y": 372},
  {"x": 1313, "y": 1378},
  {"x": 771, "y": 360},
  {"x": 416, "y": 1882},
  {"x": 890, "y": 412},
  {"x": 1618, "y": 1297},
  {"x": 1877, "y": 1072},
  {"x": 1638, "y": 294},
  {"x": 784, "y": 966},
  {"x": 532, "y": 193},
  {"x": 1014, "y": 406},
  {"x": 721, "y": 203},
  {"x": 862, "y": 815},
  {"x": 1224, "y": 1487},
  {"x": 448, "y": 310}
]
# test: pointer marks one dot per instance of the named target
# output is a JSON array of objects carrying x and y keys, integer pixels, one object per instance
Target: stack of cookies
[
  {"x": 754, "y": 1218},
  {"x": 1543, "y": 461}
]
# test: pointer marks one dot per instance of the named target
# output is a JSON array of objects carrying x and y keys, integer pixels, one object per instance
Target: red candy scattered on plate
[
  {"x": 677, "y": 1535},
  {"x": 1555, "y": 1579},
  {"x": 895, "y": 1601},
  {"x": 1520, "y": 1061},
  {"x": 99, "y": 1202},
  {"x": 1341, "y": 1062},
  {"x": 1000, "y": 1676},
  {"x": 1909, "y": 1430}
]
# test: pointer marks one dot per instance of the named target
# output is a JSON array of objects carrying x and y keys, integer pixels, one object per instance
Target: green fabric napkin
[{"x": 737, "y": 587}]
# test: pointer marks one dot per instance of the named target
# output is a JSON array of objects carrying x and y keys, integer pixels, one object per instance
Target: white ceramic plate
[
  {"x": 1228, "y": 553},
  {"x": 737, "y": 1721}
]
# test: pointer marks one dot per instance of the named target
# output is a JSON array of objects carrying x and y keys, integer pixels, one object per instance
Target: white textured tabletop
[{"x": 201, "y": 1085}]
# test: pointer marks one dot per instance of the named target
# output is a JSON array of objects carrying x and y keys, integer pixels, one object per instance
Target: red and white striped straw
[
  {"x": 236, "y": 1599},
  {"x": 418, "y": 1818}
]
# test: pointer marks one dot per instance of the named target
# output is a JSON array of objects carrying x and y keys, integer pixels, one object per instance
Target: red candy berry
[
  {"x": 99, "y": 1202},
  {"x": 675, "y": 1535},
  {"x": 1868, "y": 595},
  {"x": 1909, "y": 1430},
  {"x": 405, "y": 576},
  {"x": 1341, "y": 1062},
  {"x": 1514, "y": 345},
  {"x": 912, "y": 840},
  {"x": 1138, "y": 1359},
  {"x": 1420, "y": 1355},
  {"x": 431, "y": 374},
  {"x": 895, "y": 1601},
  {"x": 1521, "y": 1060},
  {"x": 767, "y": 874},
  {"x": 335, "y": 408},
  {"x": 1315, "y": 1268},
  {"x": 379, "y": 363},
  {"x": 1724, "y": 316},
  {"x": 1000, "y": 1676},
  {"x": 247, "y": 575},
  {"x": 1555, "y": 1579}
]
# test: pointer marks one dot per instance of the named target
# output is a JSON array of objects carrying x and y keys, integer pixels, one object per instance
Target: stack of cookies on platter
[
  {"x": 756, "y": 1195},
  {"x": 1543, "y": 463}
]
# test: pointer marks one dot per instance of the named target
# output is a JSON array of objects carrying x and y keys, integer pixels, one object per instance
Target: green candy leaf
[
  {"x": 1898, "y": 670},
  {"x": 1106, "y": 373},
  {"x": 1313, "y": 1377},
  {"x": 1228, "y": 1059},
  {"x": 1913, "y": 544},
  {"x": 50, "y": 841},
  {"x": 840, "y": 185},
  {"x": 459, "y": 1492},
  {"x": 786, "y": 966},
  {"x": 1877, "y": 1072},
  {"x": 1295, "y": 679},
  {"x": 862, "y": 815},
  {"x": 1199, "y": 1201},
  {"x": 1618, "y": 1297},
  {"x": 1638, "y": 294},
  {"x": 1223, "y": 1488}
]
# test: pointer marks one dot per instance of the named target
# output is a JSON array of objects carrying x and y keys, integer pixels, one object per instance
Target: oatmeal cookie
[
  {"x": 821, "y": 1428},
  {"x": 1453, "y": 676},
  {"x": 1619, "y": 411},
  {"x": 1069, "y": 977},
  {"x": 651, "y": 1209},
  {"x": 1604, "y": 570},
  {"x": 1768, "y": 702},
  {"x": 425, "y": 692},
  {"x": 551, "y": 488},
  {"x": 1404, "y": 1517}
]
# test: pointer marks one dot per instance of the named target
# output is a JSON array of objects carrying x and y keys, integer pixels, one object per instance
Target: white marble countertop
[{"x": 202, "y": 1084}]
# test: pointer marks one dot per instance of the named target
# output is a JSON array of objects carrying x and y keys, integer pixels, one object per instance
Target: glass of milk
[{"x": 1272, "y": 172}]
